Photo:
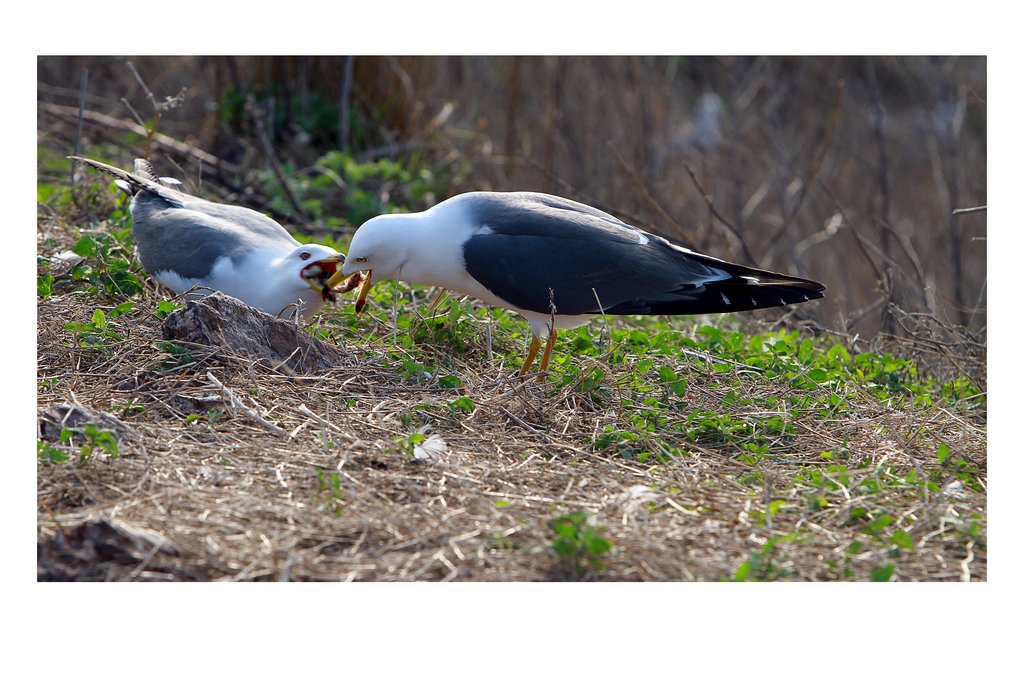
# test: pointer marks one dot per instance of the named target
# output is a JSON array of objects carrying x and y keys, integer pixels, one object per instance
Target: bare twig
[
  {"x": 78, "y": 125},
  {"x": 131, "y": 110},
  {"x": 142, "y": 83},
  {"x": 275, "y": 166},
  {"x": 607, "y": 326},
  {"x": 345, "y": 103},
  {"x": 83, "y": 85},
  {"x": 166, "y": 142},
  {"x": 877, "y": 124},
  {"x": 236, "y": 403},
  {"x": 522, "y": 424},
  {"x": 710, "y": 203},
  {"x": 822, "y": 144},
  {"x": 640, "y": 185}
]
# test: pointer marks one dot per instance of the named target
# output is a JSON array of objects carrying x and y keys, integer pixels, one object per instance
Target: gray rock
[{"x": 225, "y": 322}]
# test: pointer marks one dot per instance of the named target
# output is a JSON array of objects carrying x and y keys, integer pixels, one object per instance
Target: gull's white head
[
  {"x": 303, "y": 274},
  {"x": 380, "y": 248},
  {"x": 380, "y": 245},
  {"x": 310, "y": 262}
]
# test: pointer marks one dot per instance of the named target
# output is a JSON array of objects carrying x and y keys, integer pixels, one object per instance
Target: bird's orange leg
[
  {"x": 552, "y": 334},
  {"x": 530, "y": 356}
]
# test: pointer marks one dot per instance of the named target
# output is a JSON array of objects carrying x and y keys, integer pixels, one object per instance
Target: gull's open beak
[
  {"x": 328, "y": 264},
  {"x": 317, "y": 272},
  {"x": 340, "y": 276}
]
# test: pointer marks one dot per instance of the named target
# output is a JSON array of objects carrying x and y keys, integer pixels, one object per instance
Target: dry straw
[{"x": 235, "y": 471}]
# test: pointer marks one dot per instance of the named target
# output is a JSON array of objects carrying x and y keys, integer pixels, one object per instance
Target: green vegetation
[
  {"x": 331, "y": 495},
  {"x": 87, "y": 440},
  {"x": 342, "y": 193},
  {"x": 104, "y": 266},
  {"x": 577, "y": 544},
  {"x": 762, "y": 564},
  {"x": 99, "y": 332},
  {"x": 407, "y": 444}
]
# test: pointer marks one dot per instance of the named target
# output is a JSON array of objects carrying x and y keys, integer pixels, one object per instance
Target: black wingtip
[{"x": 142, "y": 178}]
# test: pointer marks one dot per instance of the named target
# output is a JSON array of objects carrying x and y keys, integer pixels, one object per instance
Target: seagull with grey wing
[
  {"x": 556, "y": 262},
  {"x": 187, "y": 243}
]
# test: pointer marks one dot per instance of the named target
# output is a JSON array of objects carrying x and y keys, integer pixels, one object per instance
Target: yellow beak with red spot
[{"x": 354, "y": 279}]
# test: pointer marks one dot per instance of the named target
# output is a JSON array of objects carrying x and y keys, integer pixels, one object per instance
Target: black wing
[{"x": 535, "y": 246}]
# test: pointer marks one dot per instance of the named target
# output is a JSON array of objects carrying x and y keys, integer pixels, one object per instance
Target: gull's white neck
[
  {"x": 422, "y": 248},
  {"x": 427, "y": 249}
]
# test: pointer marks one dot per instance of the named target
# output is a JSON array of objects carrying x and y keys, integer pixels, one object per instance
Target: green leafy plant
[
  {"x": 449, "y": 381},
  {"x": 577, "y": 544},
  {"x": 344, "y": 192},
  {"x": 130, "y": 408},
  {"x": 106, "y": 267},
  {"x": 329, "y": 488},
  {"x": 762, "y": 564},
  {"x": 89, "y": 438},
  {"x": 99, "y": 331},
  {"x": 44, "y": 286},
  {"x": 883, "y": 574},
  {"x": 212, "y": 416},
  {"x": 407, "y": 445},
  {"x": 179, "y": 355},
  {"x": 461, "y": 405},
  {"x": 961, "y": 468},
  {"x": 47, "y": 453},
  {"x": 164, "y": 308}
]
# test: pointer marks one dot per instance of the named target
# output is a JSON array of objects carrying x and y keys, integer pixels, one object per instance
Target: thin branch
[
  {"x": 641, "y": 187},
  {"x": 169, "y": 144},
  {"x": 131, "y": 110},
  {"x": 823, "y": 143},
  {"x": 607, "y": 326},
  {"x": 236, "y": 403},
  {"x": 345, "y": 113},
  {"x": 522, "y": 424},
  {"x": 78, "y": 125},
  {"x": 83, "y": 85},
  {"x": 275, "y": 166},
  {"x": 710, "y": 203},
  {"x": 149, "y": 94},
  {"x": 877, "y": 116}
]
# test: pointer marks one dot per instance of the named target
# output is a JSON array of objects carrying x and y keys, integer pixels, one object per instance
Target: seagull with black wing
[{"x": 556, "y": 262}]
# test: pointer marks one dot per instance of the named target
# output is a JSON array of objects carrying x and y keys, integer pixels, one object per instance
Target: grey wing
[
  {"x": 185, "y": 233},
  {"x": 189, "y": 239},
  {"x": 245, "y": 218}
]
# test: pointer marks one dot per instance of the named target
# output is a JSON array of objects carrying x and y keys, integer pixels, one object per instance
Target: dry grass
[{"x": 221, "y": 496}]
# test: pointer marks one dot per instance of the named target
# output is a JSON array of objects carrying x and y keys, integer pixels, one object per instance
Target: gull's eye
[
  {"x": 305, "y": 255},
  {"x": 360, "y": 259}
]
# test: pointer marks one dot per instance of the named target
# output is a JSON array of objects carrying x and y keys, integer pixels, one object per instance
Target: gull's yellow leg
[
  {"x": 530, "y": 356},
  {"x": 552, "y": 334}
]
